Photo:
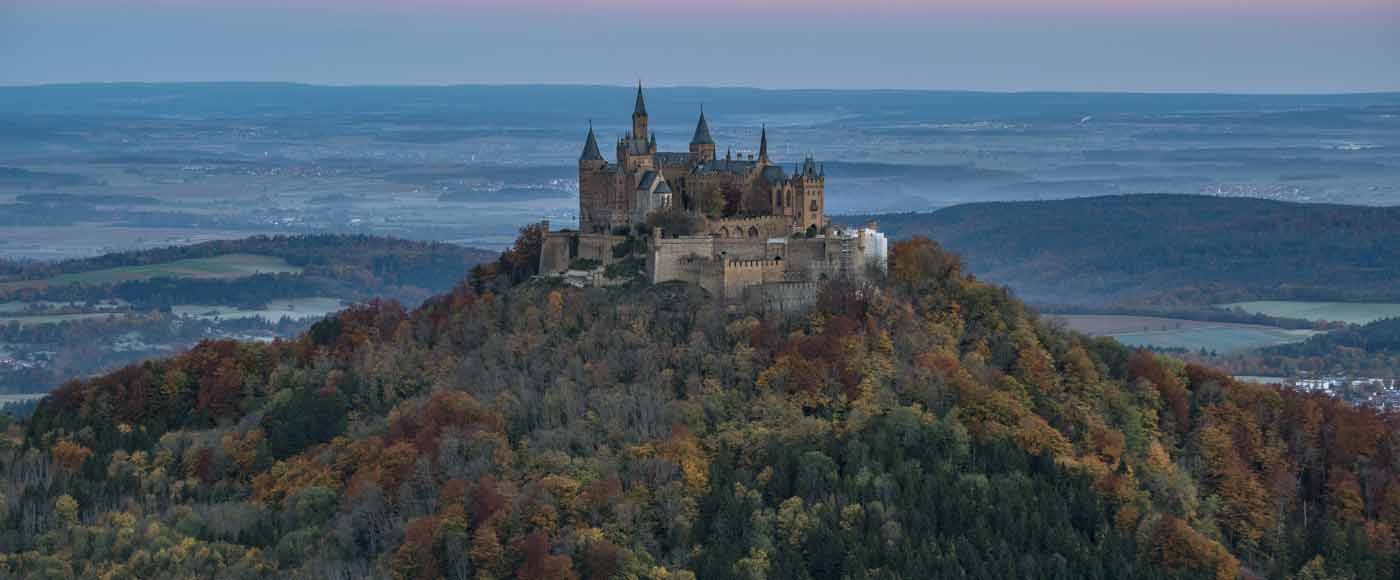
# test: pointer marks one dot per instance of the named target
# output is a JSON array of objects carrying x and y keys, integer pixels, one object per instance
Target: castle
[{"x": 749, "y": 229}]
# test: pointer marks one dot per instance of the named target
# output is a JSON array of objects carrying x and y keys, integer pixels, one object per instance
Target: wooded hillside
[{"x": 924, "y": 426}]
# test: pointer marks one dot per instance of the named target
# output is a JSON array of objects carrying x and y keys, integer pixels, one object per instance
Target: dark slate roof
[
  {"x": 702, "y": 132},
  {"x": 663, "y": 188},
  {"x": 647, "y": 180},
  {"x": 641, "y": 107},
  {"x": 726, "y": 166},
  {"x": 672, "y": 158},
  {"x": 774, "y": 174},
  {"x": 590, "y": 148}
]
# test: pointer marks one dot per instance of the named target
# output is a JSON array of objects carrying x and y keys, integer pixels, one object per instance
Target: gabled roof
[
  {"x": 590, "y": 148},
  {"x": 702, "y": 132},
  {"x": 653, "y": 182}
]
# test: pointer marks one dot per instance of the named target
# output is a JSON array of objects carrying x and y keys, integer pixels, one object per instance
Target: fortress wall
[
  {"x": 667, "y": 254},
  {"x": 783, "y": 297},
  {"x": 554, "y": 255},
  {"x": 771, "y": 226},
  {"x": 742, "y": 274},
  {"x": 741, "y": 249},
  {"x": 597, "y": 247}
]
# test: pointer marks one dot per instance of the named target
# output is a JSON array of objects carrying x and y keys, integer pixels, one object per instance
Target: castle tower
[
  {"x": 809, "y": 190},
  {"x": 702, "y": 146},
  {"x": 594, "y": 186},
  {"x": 591, "y": 158},
  {"x": 639, "y": 116}
]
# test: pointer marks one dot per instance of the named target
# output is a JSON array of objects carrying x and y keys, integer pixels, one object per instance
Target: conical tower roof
[
  {"x": 763, "y": 145},
  {"x": 590, "y": 147},
  {"x": 702, "y": 132},
  {"x": 640, "y": 110}
]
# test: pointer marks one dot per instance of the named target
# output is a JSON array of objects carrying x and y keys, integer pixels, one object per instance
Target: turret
[
  {"x": 702, "y": 146},
  {"x": 639, "y": 116},
  {"x": 591, "y": 158}
]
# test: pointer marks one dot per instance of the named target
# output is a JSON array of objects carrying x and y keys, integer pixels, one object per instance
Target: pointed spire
[
  {"x": 702, "y": 131},
  {"x": 590, "y": 147},
  {"x": 763, "y": 145},
  {"x": 640, "y": 110}
]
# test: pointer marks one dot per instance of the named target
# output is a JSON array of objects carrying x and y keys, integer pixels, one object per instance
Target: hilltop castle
[
  {"x": 750, "y": 229},
  {"x": 645, "y": 180}
]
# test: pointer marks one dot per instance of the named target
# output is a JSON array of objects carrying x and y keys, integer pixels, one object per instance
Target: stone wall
[
  {"x": 561, "y": 248},
  {"x": 782, "y": 297},
  {"x": 663, "y": 262},
  {"x": 554, "y": 254},
  {"x": 741, "y": 274},
  {"x": 761, "y": 227}
]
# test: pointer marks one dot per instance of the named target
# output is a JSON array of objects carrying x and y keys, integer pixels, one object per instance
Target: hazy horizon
[{"x": 650, "y": 86}]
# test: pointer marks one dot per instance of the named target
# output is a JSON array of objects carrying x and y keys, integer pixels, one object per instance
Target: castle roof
[
  {"x": 672, "y": 158},
  {"x": 641, "y": 107},
  {"x": 702, "y": 132},
  {"x": 590, "y": 148},
  {"x": 735, "y": 166},
  {"x": 763, "y": 146},
  {"x": 774, "y": 173},
  {"x": 654, "y": 182}
]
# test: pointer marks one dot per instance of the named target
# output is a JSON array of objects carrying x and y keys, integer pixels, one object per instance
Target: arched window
[
  {"x": 724, "y": 232},
  {"x": 753, "y": 232},
  {"x": 814, "y": 205}
]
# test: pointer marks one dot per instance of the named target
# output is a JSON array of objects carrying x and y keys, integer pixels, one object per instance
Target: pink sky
[{"x": 795, "y": 7}]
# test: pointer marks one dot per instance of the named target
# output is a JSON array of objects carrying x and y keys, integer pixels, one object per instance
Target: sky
[{"x": 1250, "y": 46}]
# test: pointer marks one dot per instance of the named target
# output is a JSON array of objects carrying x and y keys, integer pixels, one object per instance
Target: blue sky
[{"x": 1135, "y": 45}]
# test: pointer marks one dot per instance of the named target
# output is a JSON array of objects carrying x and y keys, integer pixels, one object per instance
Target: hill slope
[
  {"x": 926, "y": 426},
  {"x": 1170, "y": 249}
]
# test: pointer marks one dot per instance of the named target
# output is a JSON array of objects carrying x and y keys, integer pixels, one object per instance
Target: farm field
[
  {"x": 1349, "y": 312},
  {"x": 225, "y": 267},
  {"x": 294, "y": 308},
  {"x": 1154, "y": 332},
  {"x": 31, "y": 320}
]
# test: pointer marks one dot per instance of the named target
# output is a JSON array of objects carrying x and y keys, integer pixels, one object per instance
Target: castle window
[
  {"x": 753, "y": 232},
  {"x": 724, "y": 232},
  {"x": 814, "y": 205}
]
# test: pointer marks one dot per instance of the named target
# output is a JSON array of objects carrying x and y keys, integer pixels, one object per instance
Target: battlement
[{"x": 753, "y": 264}]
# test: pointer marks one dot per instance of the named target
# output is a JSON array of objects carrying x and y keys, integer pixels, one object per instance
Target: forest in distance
[
  {"x": 73, "y": 318},
  {"x": 1169, "y": 250},
  {"x": 516, "y": 427}
]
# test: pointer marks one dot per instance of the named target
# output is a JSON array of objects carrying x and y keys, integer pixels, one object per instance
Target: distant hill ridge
[{"x": 1169, "y": 250}]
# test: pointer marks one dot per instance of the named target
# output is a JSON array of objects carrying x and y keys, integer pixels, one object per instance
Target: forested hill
[
  {"x": 1169, "y": 249},
  {"x": 927, "y": 426},
  {"x": 352, "y": 267}
]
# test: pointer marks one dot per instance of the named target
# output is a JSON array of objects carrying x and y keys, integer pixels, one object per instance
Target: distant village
[{"x": 1382, "y": 394}]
